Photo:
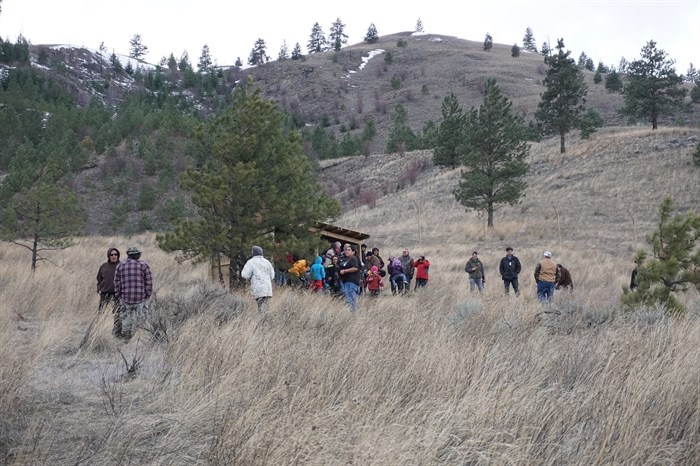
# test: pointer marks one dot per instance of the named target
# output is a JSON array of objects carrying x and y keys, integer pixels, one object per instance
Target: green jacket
[{"x": 474, "y": 268}]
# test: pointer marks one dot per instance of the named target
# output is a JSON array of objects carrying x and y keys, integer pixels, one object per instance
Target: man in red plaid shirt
[{"x": 133, "y": 285}]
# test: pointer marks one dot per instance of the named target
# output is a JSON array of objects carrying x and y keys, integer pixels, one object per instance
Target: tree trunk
[
  {"x": 562, "y": 145},
  {"x": 234, "y": 273},
  {"x": 489, "y": 209},
  {"x": 35, "y": 241},
  {"x": 654, "y": 122}
]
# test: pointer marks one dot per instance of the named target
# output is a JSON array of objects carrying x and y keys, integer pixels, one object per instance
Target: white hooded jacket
[{"x": 260, "y": 273}]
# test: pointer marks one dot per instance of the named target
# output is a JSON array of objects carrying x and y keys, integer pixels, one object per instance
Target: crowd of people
[
  {"x": 345, "y": 271},
  {"x": 341, "y": 271}
]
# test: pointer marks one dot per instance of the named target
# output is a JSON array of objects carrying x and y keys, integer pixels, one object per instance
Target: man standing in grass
[
  {"x": 510, "y": 268},
  {"x": 350, "y": 277},
  {"x": 475, "y": 269},
  {"x": 133, "y": 286},
  {"x": 546, "y": 275}
]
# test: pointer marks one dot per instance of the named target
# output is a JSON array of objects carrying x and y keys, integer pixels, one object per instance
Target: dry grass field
[{"x": 441, "y": 376}]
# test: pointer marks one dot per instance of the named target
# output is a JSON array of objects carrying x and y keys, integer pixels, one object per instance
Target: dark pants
[
  {"x": 262, "y": 303},
  {"x": 512, "y": 282},
  {"x": 420, "y": 283},
  {"x": 106, "y": 298}
]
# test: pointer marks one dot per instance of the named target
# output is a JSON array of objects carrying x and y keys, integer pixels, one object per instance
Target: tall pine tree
[
  {"x": 653, "y": 89},
  {"x": 494, "y": 151},
  {"x": 254, "y": 188},
  {"x": 337, "y": 36},
  {"x": 564, "y": 101},
  {"x": 450, "y": 134},
  {"x": 317, "y": 41}
]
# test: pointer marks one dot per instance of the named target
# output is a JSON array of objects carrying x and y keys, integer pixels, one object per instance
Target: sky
[{"x": 605, "y": 30}]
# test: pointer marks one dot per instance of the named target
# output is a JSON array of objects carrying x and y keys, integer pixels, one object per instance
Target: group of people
[
  {"x": 548, "y": 274},
  {"x": 126, "y": 286},
  {"x": 341, "y": 271}
]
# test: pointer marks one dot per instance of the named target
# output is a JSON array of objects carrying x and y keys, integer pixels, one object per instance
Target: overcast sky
[{"x": 605, "y": 30}]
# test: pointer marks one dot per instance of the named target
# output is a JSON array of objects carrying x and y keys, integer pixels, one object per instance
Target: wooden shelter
[{"x": 331, "y": 233}]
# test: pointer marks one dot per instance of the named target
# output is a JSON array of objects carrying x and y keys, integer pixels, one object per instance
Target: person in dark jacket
[
  {"x": 105, "y": 279},
  {"x": 564, "y": 279},
  {"x": 475, "y": 269},
  {"x": 510, "y": 269}
]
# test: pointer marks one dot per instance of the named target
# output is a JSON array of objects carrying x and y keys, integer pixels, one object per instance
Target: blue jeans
[
  {"x": 545, "y": 291},
  {"x": 476, "y": 282},
  {"x": 351, "y": 291}
]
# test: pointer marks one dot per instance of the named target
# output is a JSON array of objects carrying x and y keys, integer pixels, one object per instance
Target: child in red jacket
[{"x": 374, "y": 281}]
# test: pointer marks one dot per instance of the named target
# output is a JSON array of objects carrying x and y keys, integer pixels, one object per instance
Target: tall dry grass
[{"x": 438, "y": 377}]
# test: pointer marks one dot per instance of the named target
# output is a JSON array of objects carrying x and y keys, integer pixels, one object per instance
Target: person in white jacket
[{"x": 260, "y": 273}]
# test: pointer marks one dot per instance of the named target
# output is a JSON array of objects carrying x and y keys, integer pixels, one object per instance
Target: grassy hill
[{"x": 438, "y": 377}]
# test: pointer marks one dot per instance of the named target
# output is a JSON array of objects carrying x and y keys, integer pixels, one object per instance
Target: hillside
[
  {"x": 602, "y": 195},
  {"x": 334, "y": 91}
]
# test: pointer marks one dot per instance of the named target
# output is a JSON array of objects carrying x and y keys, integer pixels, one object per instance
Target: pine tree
[
  {"x": 136, "y": 47},
  {"x": 172, "y": 62},
  {"x": 597, "y": 77},
  {"x": 515, "y": 51},
  {"x": 613, "y": 83},
  {"x": 622, "y": 67},
  {"x": 695, "y": 93},
  {"x": 205, "y": 64},
  {"x": 317, "y": 41},
  {"x": 691, "y": 75},
  {"x": 371, "y": 37},
  {"x": 116, "y": 64},
  {"x": 184, "y": 63},
  {"x": 488, "y": 42},
  {"x": 450, "y": 134},
  {"x": 238, "y": 63},
  {"x": 284, "y": 52},
  {"x": 582, "y": 60},
  {"x": 494, "y": 152},
  {"x": 654, "y": 90},
  {"x": 337, "y": 36},
  {"x": 674, "y": 265},
  {"x": 401, "y": 136},
  {"x": 563, "y": 102},
  {"x": 258, "y": 55},
  {"x": 529, "y": 41},
  {"x": 590, "y": 122},
  {"x": 590, "y": 66},
  {"x": 296, "y": 52},
  {"x": 545, "y": 50},
  {"x": 419, "y": 25},
  {"x": 254, "y": 188},
  {"x": 602, "y": 68},
  {"x": 43, "y": 217}
]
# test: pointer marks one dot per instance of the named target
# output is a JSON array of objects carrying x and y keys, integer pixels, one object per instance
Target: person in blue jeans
[
  {"x": 350, "y": 276},
  {"x": 546, "y": 275}
]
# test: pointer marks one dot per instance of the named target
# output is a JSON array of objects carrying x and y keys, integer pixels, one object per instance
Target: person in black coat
[{"x": 510, "y": 268}]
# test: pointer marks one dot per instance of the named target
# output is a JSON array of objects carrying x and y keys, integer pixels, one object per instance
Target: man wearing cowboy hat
[{"x": 133, "y": 286}]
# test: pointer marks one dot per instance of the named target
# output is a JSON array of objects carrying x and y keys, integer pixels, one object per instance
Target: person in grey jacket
[
  {"x": 510, "y": 269},
  {"x": 260, "y": 273}
]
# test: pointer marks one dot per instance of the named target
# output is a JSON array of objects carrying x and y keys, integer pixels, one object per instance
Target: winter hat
[
  {"x": 547, "y": 254},
  {"x": 374, "y": 269},
  {"x": 257, "y": 251},
  {"x": 132, "y": 251}
]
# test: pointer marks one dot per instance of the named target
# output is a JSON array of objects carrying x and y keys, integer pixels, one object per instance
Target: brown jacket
[{"x": 546, "y": 271}]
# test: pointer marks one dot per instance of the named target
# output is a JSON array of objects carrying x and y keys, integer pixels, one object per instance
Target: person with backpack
[
  {"x": 397, "y": 277},
  {"x": 510, "y": 269},
  {"x": 475, "y": 269},
  {"x": 407, "y": 263}
]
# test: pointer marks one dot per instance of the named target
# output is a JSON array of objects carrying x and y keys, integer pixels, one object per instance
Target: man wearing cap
[
  {"x": 546, "y": 275},
  {"x": 133, "y": 286},
  {"x": 510, "y": 268},
  {"x": 260, "y": 273}
]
